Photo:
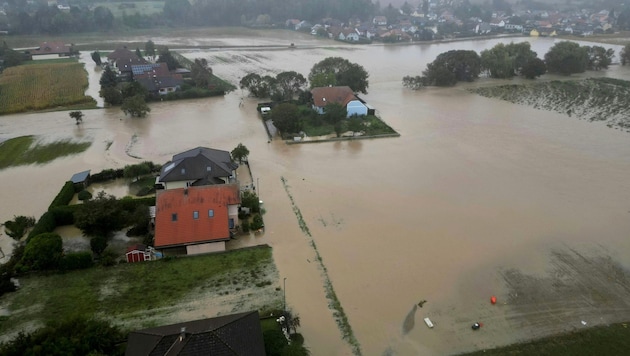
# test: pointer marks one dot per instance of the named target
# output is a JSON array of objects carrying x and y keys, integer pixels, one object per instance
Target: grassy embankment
[
  {"x": 593, "y": 99},
  {"x": 601, "y": 340},
  {"x": 133, "y": 293},
  {"x": 22, "y": 151},
  {"x": 59, "y": 86}
]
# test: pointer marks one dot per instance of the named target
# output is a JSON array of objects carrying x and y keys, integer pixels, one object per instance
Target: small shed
[
  {"x": 138, "y": 253},
  {"x": 81, "y": 179}
]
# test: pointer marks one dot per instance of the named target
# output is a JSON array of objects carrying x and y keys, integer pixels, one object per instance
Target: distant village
[{"x": 441, "y": 21}]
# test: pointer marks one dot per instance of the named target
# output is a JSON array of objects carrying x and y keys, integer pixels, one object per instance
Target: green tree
[
  {"x": 286, "y": 118},
  {"x": 534, "y": 68},
  {"x": 599, "y": 57},
  {"x": 96, "y": 57},
  {"x": 84, "y": 195},
  {"x": 100, "y": 216},
  {"x": 149, "y": 49},
  {"x": 346, "y": 73},
  {"x": 567, "y": 58},
  {"x": 135, "y": 106},
  {"x": 200, "y": 72},
  {"x": 43, "y": 252},
  {"x": 414, "y": 83},
  {"x": 108, "y": 78},
  {"x": 250, "y": 200},
  {"x": 453, "y": 66},
  {"x": 103, "y": 18},
  {"x": 138, "y": 53},
  {"x": 17, "y": 227},
  {"x": 625, "y": 54},
  {"x": 290, "y": 84},
  {"x": 497, "y": 62},
  {"x": 74, "y": 336},
  {"x": 323, "y": 80},
  {"x": 132, "y": 89},
  {"x": 77, "y": 116},
  {"x": 167, "y": 57},
  {"x": 259, "y": 87},
  {"x": 240, "y": 153},
  {"x": 111, "y": 95}
]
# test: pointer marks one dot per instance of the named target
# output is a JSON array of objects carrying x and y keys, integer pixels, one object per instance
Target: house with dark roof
[
  {"x": 122, "y": 59},
  {"x": 195, "y": 220},
  {"x": 236, "y": 334},
  {"x": 196, "y": 167},
  {"x": 51, "y": 50},
  {"x": 342, "y": 95},
  {"x": 156, "y": 78}
]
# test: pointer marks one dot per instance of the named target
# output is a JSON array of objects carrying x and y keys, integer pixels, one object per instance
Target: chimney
[{"x": 182, "y": 333}]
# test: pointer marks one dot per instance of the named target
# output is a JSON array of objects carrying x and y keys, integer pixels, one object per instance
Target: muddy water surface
[{"x": 473, "y": 187}]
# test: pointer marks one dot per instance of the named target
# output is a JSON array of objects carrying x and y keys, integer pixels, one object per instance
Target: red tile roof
[
  {"x": 184, "y": 202},
  {"x": 323, "y": 96},
  {"x": 52, "y": 48}
]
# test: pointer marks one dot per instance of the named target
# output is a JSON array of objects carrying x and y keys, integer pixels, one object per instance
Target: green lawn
[
  {"x": 138, "y": 288},
  {"x": 23, "y": 150},
  {"x": 602, "y": 340},
  {"x": 52, "y": 61}
]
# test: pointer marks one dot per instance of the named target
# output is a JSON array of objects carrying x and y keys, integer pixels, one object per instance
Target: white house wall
[{"x": 205, "y": 248}]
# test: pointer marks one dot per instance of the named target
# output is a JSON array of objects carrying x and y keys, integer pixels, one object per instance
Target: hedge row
[
  {"x": 64, "y": 196},
  {"x": 106, "y": 175}
]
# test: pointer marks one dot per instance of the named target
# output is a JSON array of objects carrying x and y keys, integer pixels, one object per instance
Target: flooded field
[{"x": 478, "y": 197}]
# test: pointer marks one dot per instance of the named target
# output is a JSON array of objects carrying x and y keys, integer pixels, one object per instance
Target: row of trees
[
  {"x": 506, "y": 61},
  {"x": 332, "y": 71}
]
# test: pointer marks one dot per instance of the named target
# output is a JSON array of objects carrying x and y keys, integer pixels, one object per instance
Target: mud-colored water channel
[{"x": 473, "y": 187}]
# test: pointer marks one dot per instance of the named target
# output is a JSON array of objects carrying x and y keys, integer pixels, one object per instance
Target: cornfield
[{"x": 43, "y": 86}]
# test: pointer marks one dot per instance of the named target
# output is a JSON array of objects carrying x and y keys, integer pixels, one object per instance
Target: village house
[
  {"x": 236, "y": 334},
  {"x": 197, "y": 167},
  {"x": 122, "y": 60},
  {"x": 156, "y": 78},
  {"x": 196, "y": 219},
  {"x": 342, "y": 95},
  {"x": 51, "y": 50}
]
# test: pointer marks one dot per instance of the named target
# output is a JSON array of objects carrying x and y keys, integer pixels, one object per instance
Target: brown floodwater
[{"x": 473, "y": 186}]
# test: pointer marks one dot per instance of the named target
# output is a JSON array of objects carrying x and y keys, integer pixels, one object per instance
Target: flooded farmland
[{"x": 478, "y": 197}]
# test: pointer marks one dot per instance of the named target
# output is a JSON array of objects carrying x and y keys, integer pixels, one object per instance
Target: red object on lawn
[{"x": 493, "y": 300}]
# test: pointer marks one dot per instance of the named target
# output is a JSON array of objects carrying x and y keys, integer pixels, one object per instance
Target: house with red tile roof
[
  {"x": 195, "y": 220},
  {"x": 341, "y": 95}
]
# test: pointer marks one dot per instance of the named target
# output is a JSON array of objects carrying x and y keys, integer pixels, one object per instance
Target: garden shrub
[
  {"x": 64, "y": 196},
  {"x": 64, "y": 215},
  {"x": 46, "y": 223},
  {"x": 257, "y": 222},
  {"x": 76, "y": 260},
  {"x": 84, "y": 195},
  {"x": 43, "y": 252},
  {"x": 245, "y": 226}
]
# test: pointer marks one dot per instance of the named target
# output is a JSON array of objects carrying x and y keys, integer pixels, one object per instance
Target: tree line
[{"x": 514, "y": 59}]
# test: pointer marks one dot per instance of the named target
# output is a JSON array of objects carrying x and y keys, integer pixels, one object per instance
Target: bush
[
  {"x": 76, "y": 260},
  {"x": 46, "y": 223},
  {"x": 98, "y": 244},
  {"x": 275, "y": 342},
  {"x": 64, "y": 196},
  {"x": 108, "y": 258},
  {"x": 64, "y": 215},
  {"x": 106, "y": 175},
  {"x": 257, "y": 222},
  {"x": 245, "y": 226},
  {"x": 43, "y": 252},
  {"x": 84, "y": 195},
  {"x": 250, "y": 200},
  {"x": 145, "y": 191}
]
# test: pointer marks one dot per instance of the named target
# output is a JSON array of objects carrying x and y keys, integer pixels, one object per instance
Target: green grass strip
[
  {"x": 333, "y": 301},
  {"x": 22, "y": 151},
  {"x": 128, "y": 288}
]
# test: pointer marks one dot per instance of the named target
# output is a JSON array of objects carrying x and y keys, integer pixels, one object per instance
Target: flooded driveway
[{"x": 475, "y": 192}]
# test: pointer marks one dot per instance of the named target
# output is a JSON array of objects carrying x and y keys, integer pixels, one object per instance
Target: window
[
  {"x": 210, "y": 213},
  {"x": 195, "y": 214},
  {"x": 174, "y": 217},
  {"x": 231, "y": 223}
]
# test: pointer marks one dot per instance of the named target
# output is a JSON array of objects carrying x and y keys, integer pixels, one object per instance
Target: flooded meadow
[{"x": 477, "y": 198}]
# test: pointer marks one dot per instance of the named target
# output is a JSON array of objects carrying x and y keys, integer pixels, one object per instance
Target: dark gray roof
[
  {"x": 236, "y": 334},
  {"x": 155, "y": 84},
  {"x": 200, "y": 163},
  {"x": 80, "y": 177}
]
